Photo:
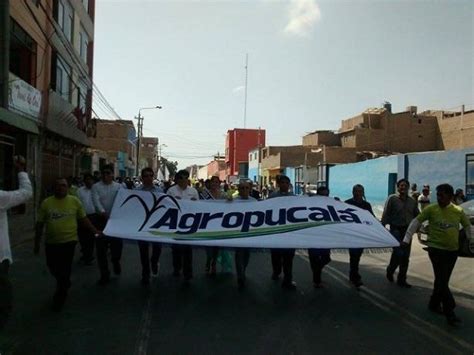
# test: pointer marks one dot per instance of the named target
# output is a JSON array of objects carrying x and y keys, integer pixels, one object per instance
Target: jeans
[
  {"x": 400, "y": 255},
  {"x": 318, "y": 258},
  {"x": 6, "y": 296},
  {"x": 283, "y": 259},
  {"x": 144, "y": 248},
  {"x": 443, "y": 262}
]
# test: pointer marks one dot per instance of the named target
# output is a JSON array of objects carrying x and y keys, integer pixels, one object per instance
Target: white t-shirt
[
  {"x": 85, "y": 195},
  {"x": 188, "y": 193}
]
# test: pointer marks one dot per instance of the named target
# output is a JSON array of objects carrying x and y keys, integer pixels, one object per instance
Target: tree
[{"x": 172, "y": 166}]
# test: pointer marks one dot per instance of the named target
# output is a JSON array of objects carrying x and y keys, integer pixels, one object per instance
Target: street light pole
[{"x": 140, "y": 134}]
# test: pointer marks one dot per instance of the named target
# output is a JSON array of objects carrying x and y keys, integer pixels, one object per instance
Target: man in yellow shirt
[
  {"x": 60, "y": 214},
  {"x": 443, "y": 243}
]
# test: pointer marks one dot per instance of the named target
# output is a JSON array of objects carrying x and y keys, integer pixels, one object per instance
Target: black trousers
[
  {"x": 183, "y": 259},
  {"x": 87, "y": 239},
  {"x": 242, "y": 256},
  {"x": 59, "y": 258},
  {"x": 443, "y": 262},
  {"x": 102, "y": 245},
  {"x": 318, "y": 258},
  {"x": 354, "y": 261},
  {"x": 6, "y": 295},
  {"x": 283, "y": 259},
  {"x": 144, "y": 248},
  {"x": 400, "y": 255}
]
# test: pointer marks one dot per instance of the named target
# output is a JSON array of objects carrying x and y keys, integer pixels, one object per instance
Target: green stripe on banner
[{"x": 238, "y": 234}]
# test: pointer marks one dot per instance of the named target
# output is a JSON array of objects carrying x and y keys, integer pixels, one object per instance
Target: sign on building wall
[{"x": 23, "y": 98}]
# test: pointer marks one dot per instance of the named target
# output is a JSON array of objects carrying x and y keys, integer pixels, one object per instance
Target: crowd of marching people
[{"x": 78, "y": 210}]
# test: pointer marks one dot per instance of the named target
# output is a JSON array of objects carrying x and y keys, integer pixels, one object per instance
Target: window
[
  {"x": 61, "y": 77},
  {"x": 250, "y": 157},
  {"x": 22, "y": 54},
  {"x": 64, "y": 16},
  {"x": 83, "y": 44},
  {"x": 470, "y": 174},
  {"x": 82, "y": 96},
  {"x": 85, "y": 3}
]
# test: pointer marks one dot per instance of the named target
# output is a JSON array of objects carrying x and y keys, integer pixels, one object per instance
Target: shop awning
[{"x": 18, "y": 121}]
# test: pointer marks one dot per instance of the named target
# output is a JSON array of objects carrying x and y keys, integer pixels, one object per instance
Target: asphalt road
[{"x": 211, "y": 316}]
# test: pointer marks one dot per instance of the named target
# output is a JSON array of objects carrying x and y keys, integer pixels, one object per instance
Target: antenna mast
[{"x": 246, "y": 81}]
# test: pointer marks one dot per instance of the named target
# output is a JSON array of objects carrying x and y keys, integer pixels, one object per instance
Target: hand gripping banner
[{"x": 283, "y": 222}]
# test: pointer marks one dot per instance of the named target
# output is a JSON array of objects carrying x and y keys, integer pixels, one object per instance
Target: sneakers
[
  {"x": 390, "y": 276},
  {"x": 240, "y": 283},
  {"x": 275, "y": 276}
]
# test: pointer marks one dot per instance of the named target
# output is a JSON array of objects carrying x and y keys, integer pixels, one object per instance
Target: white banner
[{"x": 284, "y": 222}]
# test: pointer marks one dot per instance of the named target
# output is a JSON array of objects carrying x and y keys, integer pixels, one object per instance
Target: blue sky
[{"x": 311, "y": 64}]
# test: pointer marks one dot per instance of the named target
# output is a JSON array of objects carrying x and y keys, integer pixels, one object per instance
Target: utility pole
[{"x": 140, "y": 134}]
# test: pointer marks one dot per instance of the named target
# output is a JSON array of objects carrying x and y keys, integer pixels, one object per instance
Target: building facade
[
  {"x": 117, "y": 139},
  {"x": 239, "y": 141},
  {"x": 46, "y": 70}
]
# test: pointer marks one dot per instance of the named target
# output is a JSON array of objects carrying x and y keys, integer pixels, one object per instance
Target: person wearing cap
[
  {"x": 9, "y": 199},
  {"x": 283, "y": 258},
  {"x": 444, "y": 218}
]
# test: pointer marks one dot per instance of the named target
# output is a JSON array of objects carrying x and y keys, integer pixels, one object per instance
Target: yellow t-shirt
[
  {"x": 60, "y": 217},
  {"x": 444, "y": 225}
]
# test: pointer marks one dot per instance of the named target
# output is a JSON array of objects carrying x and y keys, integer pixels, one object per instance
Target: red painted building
[{"x": 239, "y": 142}]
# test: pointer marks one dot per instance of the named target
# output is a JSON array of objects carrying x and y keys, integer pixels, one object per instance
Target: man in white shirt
[
  {"x": 147, "y": 175},
  {"x": 86, "y": 238},
  {"x": 103, "y": 196},
  {"x": 9, "y": 199},
  {"x": 183, "y": 254}
]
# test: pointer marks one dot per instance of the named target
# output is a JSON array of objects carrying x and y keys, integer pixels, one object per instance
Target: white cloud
[
  {"x": 238, "y": 89},
  {"x": 303, "y": 16}
]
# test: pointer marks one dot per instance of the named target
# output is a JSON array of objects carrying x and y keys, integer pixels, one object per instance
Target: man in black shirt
[{"x": 358, "y": 200}]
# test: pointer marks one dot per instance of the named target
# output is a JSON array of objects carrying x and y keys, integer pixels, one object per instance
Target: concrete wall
[
  {"x": 456, "y": 130},
  {"x": 322, "y": 138},
  {"x": 435, "y": 168},
  {"x": 372, "y": 174}
]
